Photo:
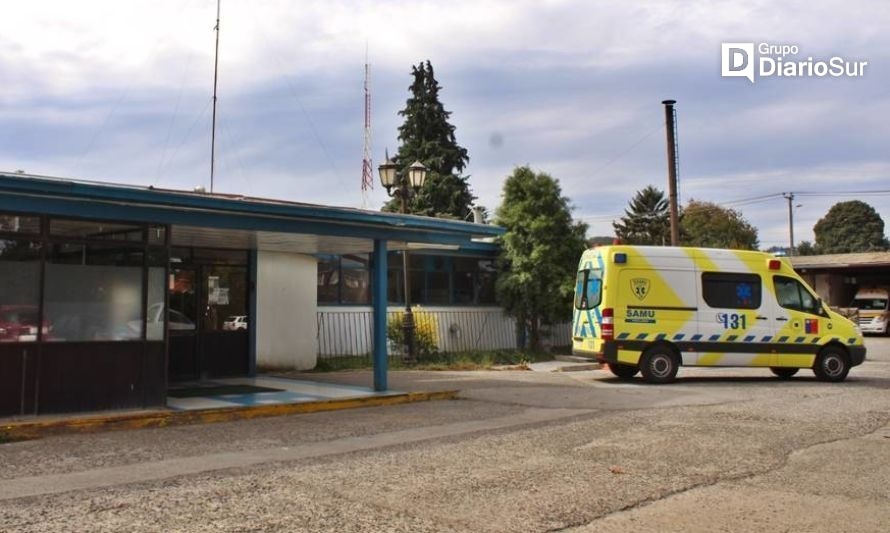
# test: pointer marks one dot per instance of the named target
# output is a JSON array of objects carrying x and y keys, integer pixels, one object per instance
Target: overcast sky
[{"x": 121, "y": 91}]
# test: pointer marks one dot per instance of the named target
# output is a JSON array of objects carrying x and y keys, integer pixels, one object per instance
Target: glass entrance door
[
  {"x": 222, "y": 327},
  {"x": 208, "y": 318},
  {"x": 182, "y": 324}
]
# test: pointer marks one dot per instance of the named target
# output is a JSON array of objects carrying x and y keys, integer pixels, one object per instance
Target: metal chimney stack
[{"x": 671, "y": 129}]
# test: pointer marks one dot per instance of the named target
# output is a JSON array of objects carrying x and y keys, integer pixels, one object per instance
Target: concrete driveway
[{"x": 720, "y": 450}]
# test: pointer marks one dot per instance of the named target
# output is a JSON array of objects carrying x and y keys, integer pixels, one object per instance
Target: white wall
[{"x": 286, "y": 311}]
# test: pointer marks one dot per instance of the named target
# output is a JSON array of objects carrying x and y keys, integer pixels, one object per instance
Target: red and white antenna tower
[{"x": 367, "y": 169}]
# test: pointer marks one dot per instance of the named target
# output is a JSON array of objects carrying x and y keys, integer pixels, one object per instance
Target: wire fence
[{"x": 349, "y": 333}]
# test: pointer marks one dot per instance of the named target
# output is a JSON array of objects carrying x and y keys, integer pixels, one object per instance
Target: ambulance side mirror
[{"x": 822, "y": 310}]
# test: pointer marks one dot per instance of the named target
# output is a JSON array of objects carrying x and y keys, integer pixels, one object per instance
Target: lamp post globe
[
  {"x": 388, "y": 171},
  {"x": 417, "y": 174}
]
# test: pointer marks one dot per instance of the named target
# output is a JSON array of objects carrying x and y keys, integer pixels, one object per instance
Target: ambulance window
[
  {"x": 588, "y": 289},
  {"x": 727, "y": 290},
  {"x": 792, "y": 295}
]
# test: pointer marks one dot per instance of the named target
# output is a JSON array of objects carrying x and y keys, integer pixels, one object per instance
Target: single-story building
[
  {"x": 837, "y": 277},
  {"x": 109, "y": 292}
]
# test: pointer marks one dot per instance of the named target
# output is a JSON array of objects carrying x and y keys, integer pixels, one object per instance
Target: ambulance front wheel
[
  {"x": 623, "y": 371},
  {"x": 659, "y": 364},
  {"x": 832, "y": 364}
]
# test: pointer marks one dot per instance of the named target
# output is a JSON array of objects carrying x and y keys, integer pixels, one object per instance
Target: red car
[{"x": 18, "y": 323}]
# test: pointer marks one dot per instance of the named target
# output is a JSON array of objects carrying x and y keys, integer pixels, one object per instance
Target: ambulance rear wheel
[
  {"x": 783, "y": 372},
  {"x": 832, "y": 364},
  {"x": 659, "y": 364},
  {"x": 623, "y": 371}
]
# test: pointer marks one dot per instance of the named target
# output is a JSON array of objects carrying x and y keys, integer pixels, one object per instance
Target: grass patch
[
  {"x": 470, "y": 360},
  {"x": 6, "y": 438}
]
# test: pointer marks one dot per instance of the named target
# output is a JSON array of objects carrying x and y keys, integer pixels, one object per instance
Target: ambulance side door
[
  {"x": 799, "y": 321},
  {"x": 734, "y": 319}
]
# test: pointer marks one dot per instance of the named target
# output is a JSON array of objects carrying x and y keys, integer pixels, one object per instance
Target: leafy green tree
[
  {"x": 852, "y": 226},
  {"x": 708, "y": 225},
  {"x": 646, "y": 219},
  {"x": 599, "y": 240},
  {"x": 806, "y": 248},
  {"x": 428, "y": 137},
  {"x": 539, "y": 251}
]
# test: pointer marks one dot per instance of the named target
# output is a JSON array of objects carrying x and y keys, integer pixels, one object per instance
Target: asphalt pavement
[{"x": 720, "y": 450}]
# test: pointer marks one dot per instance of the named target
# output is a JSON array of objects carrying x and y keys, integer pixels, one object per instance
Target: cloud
[{"x": 121, "y": 90}]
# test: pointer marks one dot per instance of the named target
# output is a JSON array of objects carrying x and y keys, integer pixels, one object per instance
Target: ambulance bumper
[
  {"x": 609, "y": 354},
  {"x": 857, "y": 355}
]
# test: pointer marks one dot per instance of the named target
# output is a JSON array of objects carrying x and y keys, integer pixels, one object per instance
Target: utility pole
[
  {"x": 670, "y": 127},
  {"x": 790, "y": 197},
  {"x": 215, "y": 72}
]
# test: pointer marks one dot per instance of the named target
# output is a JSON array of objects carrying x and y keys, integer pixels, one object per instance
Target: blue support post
[
  {"x": 378, "y": 301},
  {"x": 251, "y": 314}
]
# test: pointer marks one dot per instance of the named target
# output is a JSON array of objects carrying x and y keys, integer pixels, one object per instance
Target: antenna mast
[
  {"x": 215, "y": 73},
  {"x": 367, "y": 172}
]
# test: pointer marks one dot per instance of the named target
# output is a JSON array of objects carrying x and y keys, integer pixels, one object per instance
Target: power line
[
  {"x": 765, "y": 197},
  {"x": 627, "y": 150}
]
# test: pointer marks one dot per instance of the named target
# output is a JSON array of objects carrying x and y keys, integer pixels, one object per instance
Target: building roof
[
  {"x": 89, "y": 199},
  {"x": 863, "y": 259}
]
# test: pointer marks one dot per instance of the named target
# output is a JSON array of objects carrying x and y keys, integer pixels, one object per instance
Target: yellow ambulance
[{"x": 651, "y": 309}]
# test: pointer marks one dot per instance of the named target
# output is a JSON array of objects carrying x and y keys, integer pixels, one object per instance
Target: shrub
[{"x": 426, "y": 332}]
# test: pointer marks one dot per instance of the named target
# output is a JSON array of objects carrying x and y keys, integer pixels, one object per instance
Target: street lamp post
[{"x": 403, "y": 187}]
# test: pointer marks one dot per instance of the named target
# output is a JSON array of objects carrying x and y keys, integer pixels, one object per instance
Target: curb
[
  {"x": 574, "y": 359},
  {"x": 16, "y": 431},
  {"x": 580, "y": 367}
]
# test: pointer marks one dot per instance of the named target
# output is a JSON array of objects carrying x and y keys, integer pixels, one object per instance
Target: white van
[
  {"x": 873, "y": 306},
  {"x": 651, "y": 309}
]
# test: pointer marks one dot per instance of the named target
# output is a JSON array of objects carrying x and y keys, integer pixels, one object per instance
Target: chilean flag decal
[{"x": 811, "y": 326}]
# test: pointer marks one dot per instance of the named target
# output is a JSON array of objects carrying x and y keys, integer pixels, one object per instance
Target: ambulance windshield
[
  {"x": 588, "y": 289},
  {"x": 870, "y": 304}
]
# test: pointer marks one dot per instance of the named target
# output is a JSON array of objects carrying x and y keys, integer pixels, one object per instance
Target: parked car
[
  {"x": 176, "y": 321},
  {"x": 235, "y": 323},
  {"x": 18, "y": 323}
]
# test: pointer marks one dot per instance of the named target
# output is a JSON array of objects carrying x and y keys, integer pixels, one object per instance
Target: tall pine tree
[
  {"x": 428, "y": 137},
  {"x": 646, "y": 219}
]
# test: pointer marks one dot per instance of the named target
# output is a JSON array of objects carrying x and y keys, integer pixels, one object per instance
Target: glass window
[
  {"x": 183, "y": 315},
  {"x": 356, "y": 279},
  {"x": 395, "y": 286},
  {"x": 157, "y": 235},
  {"x": 219, "y": 257},
  {"x": 225, "y": 296},
  {"x": 157, "y": 290},
  {"x": 19, "y": 224},
  {"x": 19, "y": 291},
  {"x": 869, "y": 304},
  {"x": 328, "y": 279},
  {"x": 464, "y": 287},
  {"x": 588, "y": 289},
  {"x": 791, "y": 294},
  {"x": 485, "y": 282},
  {"x": 731, "y": 290},
  {"x": 93, "y": 293},
  {"x": 180, "y": 255},
  {"x": 96, "y": 230},
  {"x": 438, "y": 288},
  {"x": 416, "y": 284}
]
